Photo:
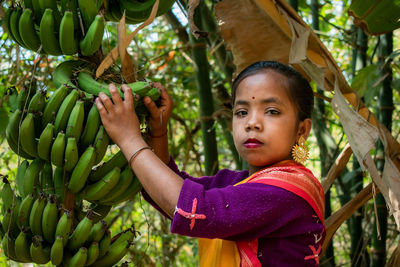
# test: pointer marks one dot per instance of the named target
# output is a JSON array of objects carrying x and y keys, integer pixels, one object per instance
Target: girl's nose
[{"x": 254, "y": 124}]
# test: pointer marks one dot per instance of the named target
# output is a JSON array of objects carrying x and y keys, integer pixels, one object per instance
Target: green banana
[
  {"x": 93, "y": 253},
  {"x": 97, "y": 231},
  {"x": 51, "y": 4},
  {"x": 24, "y": 97},
  {"x": 90, "y": 85},
  {"x": 64, "y": 73},
  {"x": 22, "y": 246},
  {"x": 127, "y": 235},
  {"x": 64, "y": 111},
  {"x": 37, "y": 11},
  {"x": 104, "y": 243},
  {"x": 28, "y": 4},
  {"x": 81, "y": 171},
  {"x": 57, "y": 251},
  {"x": 72, "y": 5},
  {"x": 81, "y": 233},
  {"x": 57, "y": 150},
  {"x": 138, "y": 10},
  {"x": 25, "y": 211},
  {"x": 7, "y": 23},
  {"x": 9, "y": 222},
  {"x": 46, "y": 179},
  {"x": 7, "y": 194},
  {"x": 2, "y": 232},
  {"x": 115, "y": 253},
  {"x": 79, "y": 259},
  {"x": 27, "y": 135},
  {"x": 59, "y": 181},
  {"x": 113, "y": 13},
  {"x": 47, "y": 34},
  {"x": 91, "y": 128},
  {"x": 8, "y": 245},
  {"x": 154, "y": 93},
  {"x": 64, "y": 226},
  {"x": 27, "y": 30},
  {"x": 117, "y": 160},
  {"x": 50, "y": 219},
  {"x": 54, "y": 103},
  {"x": 19, "y": 179},
  {"x": 45, "y": 142},
  {"x": 75, "y": 120},
  {"x": 128, "y": 194},
  {"x": 125, "y": 180},
  {"x": 100, "y": 211},
  {"x": 40, "y": 254},
  {"x": 38, "y": 102},
  {"x": 99, "y": 189},
  {"x": 35, "y": 217},
  {"x": 12, "y": 134},
  {"x": 89, "y": 10},
  {"x": 91, "y": 42},
  {"x": 67, "y": 36},
  {"x": 100, "y": 144},
  {"x": 71, "y": 154},
  {"x": 14, "y": 25},
  {"x": 31, "y": 177}
]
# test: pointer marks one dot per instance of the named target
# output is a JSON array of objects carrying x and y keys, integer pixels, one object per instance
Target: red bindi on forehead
[{"x": 253, "y": 97}]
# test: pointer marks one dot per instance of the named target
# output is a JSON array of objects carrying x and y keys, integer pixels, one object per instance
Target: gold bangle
[{"x": 134, "y": 155}]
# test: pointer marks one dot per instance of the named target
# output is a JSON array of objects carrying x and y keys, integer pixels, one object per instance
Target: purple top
[{"x": 288, "y": 230}]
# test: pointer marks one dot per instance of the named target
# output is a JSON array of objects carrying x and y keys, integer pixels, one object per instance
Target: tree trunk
[
  {"x": 324, "y": 139},
  {"x": 378, "y": 243},
  {"x": 199, "y": 55},
  {"x": 223, "y": 59},
  {"x": 357, "y": 253}
]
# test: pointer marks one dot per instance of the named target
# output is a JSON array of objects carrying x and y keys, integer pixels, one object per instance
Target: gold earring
[{"x": 300, "y": 151}]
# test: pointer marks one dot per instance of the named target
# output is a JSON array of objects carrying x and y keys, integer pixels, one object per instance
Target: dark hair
[{"x": 298, "y": 88}]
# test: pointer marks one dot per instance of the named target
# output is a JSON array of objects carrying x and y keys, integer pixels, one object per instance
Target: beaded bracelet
[{"x": 134, "y": 155}]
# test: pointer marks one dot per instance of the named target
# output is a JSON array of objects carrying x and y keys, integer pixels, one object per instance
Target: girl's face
[{"x": 265, "y": 125}]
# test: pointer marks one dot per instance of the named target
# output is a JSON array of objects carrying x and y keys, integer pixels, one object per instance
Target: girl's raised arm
[
  {"x": 158, "y": 123},
  {"x": 122, "y": 125}
]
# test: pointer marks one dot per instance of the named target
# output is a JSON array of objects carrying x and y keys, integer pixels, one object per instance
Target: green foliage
[{"x": 366, "y": 82}]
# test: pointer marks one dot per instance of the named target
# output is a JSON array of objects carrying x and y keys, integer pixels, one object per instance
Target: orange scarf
[{"x": 287, "y": 175}]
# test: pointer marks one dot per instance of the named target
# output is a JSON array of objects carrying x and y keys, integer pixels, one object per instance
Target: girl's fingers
[
  {"x": 166, "y": 99},
  {"x": 106, "y": 102},
  {"x": 151, "y": 107},
  {"x": 100, "y": 107},
  {"x": 116, "y": 98},
  {"x": 128, "y": 96}
]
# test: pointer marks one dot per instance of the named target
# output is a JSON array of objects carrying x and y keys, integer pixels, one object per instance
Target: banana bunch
[
  {"x": 63, "y": 144},
  {"x": 36, "y": 228},
  {"x": 64, "y": 28},
  {"x": 68, "y": 27},
  {"x": 136, "y": 11}
]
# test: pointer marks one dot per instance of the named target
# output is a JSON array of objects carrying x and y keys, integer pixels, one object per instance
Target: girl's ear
[{"x": 304, "y": 128}]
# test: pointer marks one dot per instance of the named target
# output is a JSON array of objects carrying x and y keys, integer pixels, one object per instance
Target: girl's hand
[
  {"x": 159, "y": 116},
  {"x": 119, "y": 117}
]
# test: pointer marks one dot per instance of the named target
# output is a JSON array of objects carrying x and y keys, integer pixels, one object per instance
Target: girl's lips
[{"x": 252, "y": 143}]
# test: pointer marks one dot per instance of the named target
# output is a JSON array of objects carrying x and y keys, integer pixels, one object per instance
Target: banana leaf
[{"x": 376, "y": 16}]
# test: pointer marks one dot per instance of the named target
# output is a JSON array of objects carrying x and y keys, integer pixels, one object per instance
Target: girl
[{"x": 268, "y": 215}]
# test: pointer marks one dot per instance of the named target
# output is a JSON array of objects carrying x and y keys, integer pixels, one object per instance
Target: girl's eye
[
  {"x": 240, "y": 113},
  {"x": 273, "y": 112}
]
